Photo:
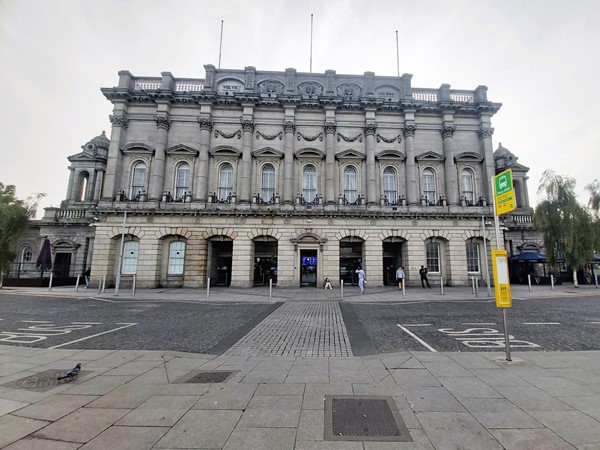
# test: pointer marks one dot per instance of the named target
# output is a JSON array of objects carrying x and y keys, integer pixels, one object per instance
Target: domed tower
[
  {"x": 87, "y": 171},
  {"x": 505, "y": 159}
]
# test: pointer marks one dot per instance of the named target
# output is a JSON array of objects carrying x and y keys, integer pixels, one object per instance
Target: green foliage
[
  {"x": 568, "y": 227},
  {"x": 594, "y": 202},
  {"x": 14, "y": 219}
]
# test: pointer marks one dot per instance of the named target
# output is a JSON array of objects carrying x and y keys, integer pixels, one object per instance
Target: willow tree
[
  {"x": 14, "y": 219},
  {"x": 594, "y": 204},
  {"x": 567, "y": 225}
]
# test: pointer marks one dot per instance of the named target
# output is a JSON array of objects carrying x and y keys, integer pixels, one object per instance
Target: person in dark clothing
[
  {"x": 87, "y": 275},
  {"x": 423, "y": 273}
]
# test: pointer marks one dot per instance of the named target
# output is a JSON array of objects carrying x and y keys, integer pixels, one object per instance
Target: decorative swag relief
[
  {"x": 269, "y": 137},
  {"x": 237, "y": 134}
]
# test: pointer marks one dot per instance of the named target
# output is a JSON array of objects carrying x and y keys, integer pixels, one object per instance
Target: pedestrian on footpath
[
  {"x": 400, "y": 277},
  {"x": 327, "y": 284},
  {"x": 423, "y": 273},
  {"x": 361, "y": 279},
  {"x": 87, "y": 276}
]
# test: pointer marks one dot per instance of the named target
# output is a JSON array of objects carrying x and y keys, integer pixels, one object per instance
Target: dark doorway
[
  {"x": 62, "y": 265},
  {"x": 392, "y": 259},
  {"x": 221, "y": 258},
  {"x": 308, "y": 268},
  {"x": 350, "y": 259},
  {"x": 265, "y": 260}
]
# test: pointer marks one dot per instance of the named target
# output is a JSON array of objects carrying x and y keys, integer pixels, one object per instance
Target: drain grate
[
  {"x": 41, "y": 382},
  {"x": 207, "y": 376},
  {"x": 363, "y": 418}
]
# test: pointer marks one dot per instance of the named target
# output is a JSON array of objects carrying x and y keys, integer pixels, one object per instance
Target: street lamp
[
  {"x": 120, "y": 268},
  {"x": 487, "y": 270}
]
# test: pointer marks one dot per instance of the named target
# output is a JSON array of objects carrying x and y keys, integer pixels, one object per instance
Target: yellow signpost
[
  {"x": 504, "y": 192},
  {"x": 501, "y": 279}
]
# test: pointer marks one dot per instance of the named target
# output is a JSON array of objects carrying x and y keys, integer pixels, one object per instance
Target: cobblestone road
[{"x": 297, "y": 329}]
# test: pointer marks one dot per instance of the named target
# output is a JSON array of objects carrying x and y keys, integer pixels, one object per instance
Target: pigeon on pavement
[{"x": 71, "y": 374}]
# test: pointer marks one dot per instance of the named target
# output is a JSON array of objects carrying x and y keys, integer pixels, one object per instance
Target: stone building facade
[{"x": 247, "y": 176}]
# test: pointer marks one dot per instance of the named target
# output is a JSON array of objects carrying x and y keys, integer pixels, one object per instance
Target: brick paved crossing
[{"x": 297, "y": 329}]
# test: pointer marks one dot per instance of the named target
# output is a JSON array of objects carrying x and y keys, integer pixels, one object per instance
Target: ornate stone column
[
  {"x": 288, "y": 165},
  {"x": 449, "y": 167},
  {"x": 70, "y": 189},
  {"x": 114, "y": 162},
  {"x": 411, "y": 168},
  {"x": 485, "y": 143},
  {"x": 157, "y": 170},
  {"x": 372, "y": 197},
  {"x": 201, "y": 174},
  {"x": 330, "y": 127},
  {"x": 248, "y": 129}
]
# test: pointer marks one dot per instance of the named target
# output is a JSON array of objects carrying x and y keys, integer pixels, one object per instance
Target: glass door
[{"x": 308, "y": 268}]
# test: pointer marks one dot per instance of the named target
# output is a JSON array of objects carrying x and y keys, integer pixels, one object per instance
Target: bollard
[
  {"x": 104, "y": 283},
  {"x": 529, "y": 281},
  {"x": 551, "y": 282},
  {"x": 595, "y": 279},
  {"x": 133, "y": 286},
  {"x": 403, "y": 291},
  {"x": 117, "y": 284},
  {"x": 77, "y": 284},
  {"x": 270, "y": 288},
  {"x": 207, "y": 287},
  {"x": 473, "y": 285},
  {"x": 441, "y": 285},
  {"x": 476, "y": 280},
  {"x": 341, "y": 289},
  {"x": 50, "y": 281}
]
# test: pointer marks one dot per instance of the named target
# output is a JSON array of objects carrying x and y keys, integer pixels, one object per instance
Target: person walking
[
  {"x": 400, "y": 277},
  {"x": 423, "y": 273},
  {"x": 361, "y": 279},
  {"x": 87, "y": 275}
]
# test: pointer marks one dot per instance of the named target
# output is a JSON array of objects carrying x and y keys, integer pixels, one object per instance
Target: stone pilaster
[
  {"x": 372, "y": 197},
  {"x": 201, "y": 174},
  {"x": 289, "y": 127},
  {"x": 449, "y": 167},
  {"x": 248, "y": 129},
  {"x": 485, "y": 143},
  {"x": 330, "y": 127},
  {"x": 411, "y": 168},
  {"x": 114, "y": 163},
  {"x": 70, "y": 195},
  {"x": 157, "y": 169}
]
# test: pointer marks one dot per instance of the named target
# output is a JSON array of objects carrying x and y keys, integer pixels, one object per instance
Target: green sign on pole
[{"x": 504, "y": 192}]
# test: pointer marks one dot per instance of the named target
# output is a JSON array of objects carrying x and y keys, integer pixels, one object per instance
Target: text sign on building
[
  {"x": 504, "y": 192},
  {"x": 501, "y": 279}
]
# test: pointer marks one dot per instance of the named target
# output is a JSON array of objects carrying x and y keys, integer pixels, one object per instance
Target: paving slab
[
  {"x": 29, "y": 443},
  {"x": 432, "y": 399},
  {"x": 499, "y": 413},
  {"x": 574, "y": 427},
  {"x": 261, "y": 439},
  {"x": 13, "y": 428},
  {"x": 531, "y": 439},
  {"x": 8, "y": 406},
  {"x": 227, "y": 396},
  {"x": 468, "y": 388},
  {"x": 55, "y": 407},
  {"x": 532, "y": 399},
  {"x": 135, "y": 438}
]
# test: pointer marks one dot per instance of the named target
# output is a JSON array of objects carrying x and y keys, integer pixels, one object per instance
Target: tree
[
  {"x": 14, "y": 219},
  {"x": 594, "y": 202},
  {"x": 567, "y": 226}
]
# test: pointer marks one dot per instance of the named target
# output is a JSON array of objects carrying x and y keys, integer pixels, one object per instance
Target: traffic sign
[
  {"x": 504, "y": 193},
  {"x": 501, "y": 279}
]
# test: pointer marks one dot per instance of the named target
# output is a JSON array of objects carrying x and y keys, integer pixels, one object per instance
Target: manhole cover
[
  {"x": 42, "y": 381},
  {"x": 206, "y": 376},
  {"x": 363, "y": 418}
]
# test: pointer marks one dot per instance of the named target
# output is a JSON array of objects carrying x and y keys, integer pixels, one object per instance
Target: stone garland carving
[
  {"x": 389, "y": 141},
  {"x": 330, "y": 127},
  {"x": 409, "y": 130},
  {"x": 448, "y": 131},
  {"x": 119, "y": 121},
  {"x": 205, "y": 123},
  {"x": 237, "y": 134},
  {"x": 310, "y": 138},
  {"x": 269, "y": 137},
  {"x": 289, "y": 127},
  {"x": 247, "y": 125},
  {"x": 485, "y": 132},
  {"x": 370, "y": 128},
  {"x": 349, "y": 139},
  {"x": 163, "y": 121}
]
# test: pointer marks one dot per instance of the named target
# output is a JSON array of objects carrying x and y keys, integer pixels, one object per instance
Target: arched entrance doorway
[
  {"x": 219, "y": 259},
  {"x": 265, "y": 260},
  {"x": 351, "y": 257},
  {"x": 392, "y": 258}
]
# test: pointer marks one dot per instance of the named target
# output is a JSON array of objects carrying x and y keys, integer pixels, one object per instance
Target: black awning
[{"x": 528, "y": 257}]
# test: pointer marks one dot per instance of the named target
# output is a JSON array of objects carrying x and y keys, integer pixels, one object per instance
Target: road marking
[
  {"x": 87, "y": 323},
  {"x": 484, "y": 338},
  {"x": 479, "y": 323},
  {"x": 127, "y": 325},
  {"x": 35, "y": 321},
  {"x": 587, "y": 322},
  {"x": 425, "y": 344},
  {"x": 417, "y": 325},
  {"x": 101, "y": 299},
  {"x": 541, "y": 323}
]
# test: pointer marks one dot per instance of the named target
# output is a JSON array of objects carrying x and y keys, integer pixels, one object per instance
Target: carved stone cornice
[
  {"x": 269, "y": 137},
  {"x": 370, "y": 128},
  {"x": 485, "y": 132},
  {"x": 289, "y": 127},
  {"x": 119, "y": 121},
  {"x": 163, "y": 121},
  {"x": 237, "y": 134},
  {"x": 205, "y": 123},
  {"x": 247, "y": 125},
  {"x": 389, "y": 141},
  {"x": 448, "y": 131},
  {"x": 350, "y": 139},
  {"x": 318, "y": 136},
  {"x": 330, "y": 127},
  {"x": 409, "y": 131}
]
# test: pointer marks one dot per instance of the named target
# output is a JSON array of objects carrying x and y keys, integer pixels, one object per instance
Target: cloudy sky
[{"x": 539, "y": 58}]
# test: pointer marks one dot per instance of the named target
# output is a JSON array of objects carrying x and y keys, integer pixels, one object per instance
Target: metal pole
[
  {"x": 50, "y": 282},
  {"x": 104, "y": 283},
  {"x": 342, "y": 289},
  {"x": 270, "y": 288},
  {"x": 397, "y": 54},
  {"x": 118, "y": 282},
  {"x": 476, "y": 280},
  {"x": 551, "y": 282},
  {"x": 487, "y": 266},
  {"x": 529, "y": 281},
  {"x": 220, "y": 44},
  {"x": 311, "y": 39},
  {"x": 133, "y": 286},
  {"x": 207, "y": 287},
  {"x": 473, "y": 285},
  {"x": 403, "y": 285},
  {"x": 441, "y": 285},
  {"x": 77, "y": 284}
]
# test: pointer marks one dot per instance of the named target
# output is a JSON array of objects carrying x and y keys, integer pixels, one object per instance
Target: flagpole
[
  {"x": 220, "y": 44},
  {"x": 397, "y": 54},
  {"x": 311, "y": 40}
]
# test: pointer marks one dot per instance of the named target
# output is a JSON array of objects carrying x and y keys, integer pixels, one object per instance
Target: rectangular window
[
  {"x": 472, "y": 257},
  {"x": 310, "y": 185},
  {"x": 433, "y": 256},
  {"x": 176, "y": 258},
  {"x": 130, "y": 257},
  {"x": 182, "y": 186},
  {"x": 429, "y": 187},
  {"x": 267, "y": 192},
  {"x": 389, "y": 187}
]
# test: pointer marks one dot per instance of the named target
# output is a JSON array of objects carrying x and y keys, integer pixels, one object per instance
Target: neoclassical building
[{"x": 247, "y": 176}]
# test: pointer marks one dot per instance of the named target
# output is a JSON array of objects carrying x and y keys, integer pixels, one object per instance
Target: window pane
[
  {"x": 26, "y": 254},
  {"x": 138, "y": 179},
  {"x": 182, "y": 181},
  {"x": 467, "y": 186},
  {"x": 389, "y": 185},
  {"x": 429, "y": 186},
  {"x": 350, "y": 184},
  {"x": 225, "y": 181},
  {"x": 309, "y": 190},
  {"x": 176, "y": 257},
  {"x": 433, "y": 256},
  {"x": 130, "y": 257},
  {"x": 268, "y": 183},
  {"x": 472, "y": 257}
]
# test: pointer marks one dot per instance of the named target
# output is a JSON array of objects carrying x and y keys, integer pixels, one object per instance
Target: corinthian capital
[
  {"x": 205, "y": 123},
  {"x": 485, "y": 132},
  {"x": 289, "y": 127},
  {"x": 247, "y": 124},
  {"x": 330, "y": 127},
  {"x": 409, "y": 130},
  {"x": 118, "y": 120},
  {"x": 448, "y": 131},
  {"x": 163, "y": 121},
  {"x": 370, "y": 128}
]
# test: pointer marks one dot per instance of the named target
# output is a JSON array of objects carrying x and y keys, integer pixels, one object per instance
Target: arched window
[
  {"x": 432, "y": 253},
  {"x": 225, "y": 181},
  {"x": 389, "y": 185},
  {"x": 267, "y": 190},
  {"x": 467, "y": 186},
  {"x": 472, "y": 256},
  {"x": 309, "y": 183},
  {"x": 429, "y": 190},
  {"x": 82, "y": 187},
  {"x": 138, "y": 179},
  {"x": 176, "y": 257},
  {"x": 131, "y": 250},
  {"x": 350, "y": 184},
  {"x": 26, "y": 254},
  {"x": 182, "y": 181}
]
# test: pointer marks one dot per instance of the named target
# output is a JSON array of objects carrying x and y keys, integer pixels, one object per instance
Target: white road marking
[
  {"x": 127, "y": 325},
  {"x": 101, "y": 299},
  {"x": 425, "y": 344},
  {"x": 35, "y": 321},
  {"x": 479, "y": 323},
  {"x": 541, "y": 323},
  {"x": 417, "y": 325},
  {"x": 586, "y": 322},
  {"x": 87, "y": 323}
]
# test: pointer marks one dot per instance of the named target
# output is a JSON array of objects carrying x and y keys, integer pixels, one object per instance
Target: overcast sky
[{"x": 539, "y": 58}]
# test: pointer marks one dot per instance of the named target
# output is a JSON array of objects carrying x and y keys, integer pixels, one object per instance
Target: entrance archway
[
  {"x": 351, "y": 257},
  {"x": 219, "y": 259},
  {"x": 392, "y": 258},
  {"x": 265, "y": 260}
]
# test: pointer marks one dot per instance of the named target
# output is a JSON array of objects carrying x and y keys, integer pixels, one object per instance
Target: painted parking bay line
[
  {"x": 541, "y": 323},
  {"x": 126, "y": 325},
  {"x": 421, "y": 341}
]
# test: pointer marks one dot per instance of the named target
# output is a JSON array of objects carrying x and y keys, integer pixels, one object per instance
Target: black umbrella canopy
[
  {"x": 44, "y": 261},
  {"x": 528, "y": 257}
]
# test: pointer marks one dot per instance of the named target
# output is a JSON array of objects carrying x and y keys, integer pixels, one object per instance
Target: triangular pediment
[
  {"x": 468, "y": 157},
  {"x": 137, "y": 148},
  {"x": 391, "y": 155},
  {"x": 183, "y": 150},
  {"x": 267, "y": 152},
  {"x": 430, "y": 156},
  {"x": 350, "y": 154},
  {"x": 225, "y": 150},
  {"x": 82, "y": 157}
]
